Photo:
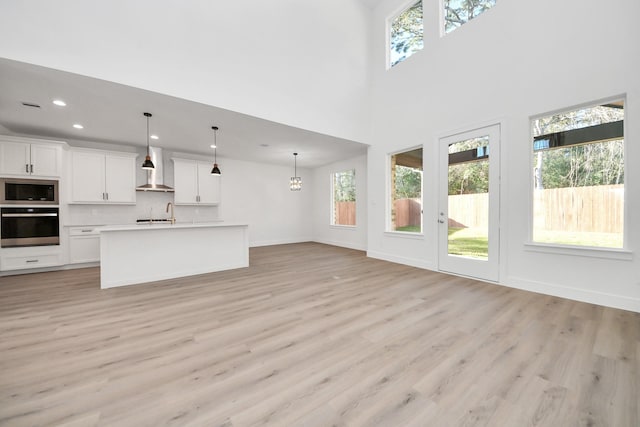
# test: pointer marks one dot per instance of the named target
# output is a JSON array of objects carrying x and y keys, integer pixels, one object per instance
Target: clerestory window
[
  {"x": 406, "y": 34},
  {"x": 459, "y": 12}
]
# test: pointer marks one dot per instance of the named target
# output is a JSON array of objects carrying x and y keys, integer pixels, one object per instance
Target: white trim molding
[{"x": 576, "y": 294}]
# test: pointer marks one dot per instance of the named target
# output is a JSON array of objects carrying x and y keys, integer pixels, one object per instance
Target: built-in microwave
[{"x": 28, "y": 191}]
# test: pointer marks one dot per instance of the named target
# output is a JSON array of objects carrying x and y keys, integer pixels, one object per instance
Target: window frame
[
  {"x": 389, "y": 23},
  {"x": 332, "y": 205},
  {"x": 443, "y": 18},
  {"x": 390, "y": 190},
  {"x": 623, "y": 253}
]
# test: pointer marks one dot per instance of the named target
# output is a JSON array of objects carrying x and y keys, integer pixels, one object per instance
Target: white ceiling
[{"x": 112, "y": 113}]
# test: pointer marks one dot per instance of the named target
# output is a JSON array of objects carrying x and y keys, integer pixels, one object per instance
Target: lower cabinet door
[{"x": 84, "y": 249}]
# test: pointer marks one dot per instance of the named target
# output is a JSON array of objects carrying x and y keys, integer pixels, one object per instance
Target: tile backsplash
[{"x": 148, "y": 205}]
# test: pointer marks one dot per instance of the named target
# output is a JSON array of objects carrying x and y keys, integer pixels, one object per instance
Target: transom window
[
  {"x": 406, "y": 191},
  {"x": 406, "y": 34},
  {"x": 578, "y": 176},
  {"x": 344, "y": 198},
  {"x": 459, "y": 12}
]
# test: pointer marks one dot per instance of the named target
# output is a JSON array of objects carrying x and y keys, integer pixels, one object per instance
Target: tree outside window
[
  {"x": 459, "y": 12},
  {"x": 344, "y": 198},
  {"x": 406, "y": 34}
]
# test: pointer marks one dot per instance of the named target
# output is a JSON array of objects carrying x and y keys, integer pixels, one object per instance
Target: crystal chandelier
[{"x": 295, "y": 183}]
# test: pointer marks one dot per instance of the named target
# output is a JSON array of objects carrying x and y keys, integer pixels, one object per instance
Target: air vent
[{"x": 28, "y": 104}]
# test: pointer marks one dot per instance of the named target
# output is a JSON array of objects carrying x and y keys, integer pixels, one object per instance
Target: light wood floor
[{"x": 310, "y": 335}]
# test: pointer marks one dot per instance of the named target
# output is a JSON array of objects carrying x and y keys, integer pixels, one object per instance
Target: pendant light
[
  {"x": 148, "y": 164},
  {"x": 295, "y": 183},
  {"x": 216, "y": 169}
]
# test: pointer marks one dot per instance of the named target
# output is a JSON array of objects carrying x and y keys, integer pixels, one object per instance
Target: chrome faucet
[{"x": 173, "y": 217}]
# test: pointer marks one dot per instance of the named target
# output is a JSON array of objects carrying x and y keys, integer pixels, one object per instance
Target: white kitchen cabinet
[
  {"x": 194, "y": 184},
  {"x": 120, "y": 179},
  {"x": 84, "y": 245},
  {"x": 99, "y": 177},
  {"x": 20, "y": 157},
  {"x": 30, "y": 257}
]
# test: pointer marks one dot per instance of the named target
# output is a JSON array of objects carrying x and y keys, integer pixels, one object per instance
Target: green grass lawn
[
  {"x": 470, "y": 242},
  {"x": 410, "y": 229}
]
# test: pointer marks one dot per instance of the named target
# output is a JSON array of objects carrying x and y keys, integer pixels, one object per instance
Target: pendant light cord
[{"x": 147, "y": 135}]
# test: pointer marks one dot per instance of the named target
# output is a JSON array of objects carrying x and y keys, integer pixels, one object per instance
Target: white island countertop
[
  {"x": 167, "y": 225},
  {"x": 140, "y": 253}
]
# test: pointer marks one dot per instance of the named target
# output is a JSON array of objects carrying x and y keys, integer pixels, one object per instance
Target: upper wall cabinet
[
  {"x": 194, "y": 184},
  {"x": 24, "y": 157},
  {"x": 99, "y": 177}
]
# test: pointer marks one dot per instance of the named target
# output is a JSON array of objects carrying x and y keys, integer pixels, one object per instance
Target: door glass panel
[{"x": 468, "y": 200}]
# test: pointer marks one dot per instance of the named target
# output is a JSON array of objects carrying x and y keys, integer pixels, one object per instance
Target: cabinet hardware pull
[
  {"x": 32, "y": 260},
  {"x": 107, "y": 195},
  {"x": 31, "y": 168},
  {"x": 87, "y": 231},
  {"x": 26, "y": 168}
]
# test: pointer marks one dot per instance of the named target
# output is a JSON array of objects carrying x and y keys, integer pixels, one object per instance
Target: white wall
[
  {"x": 304, "y": 64},
  {"x": 517, "y": 60},
  {"x": 324, "y": 232},
  {"x": 259, "y": 195}
]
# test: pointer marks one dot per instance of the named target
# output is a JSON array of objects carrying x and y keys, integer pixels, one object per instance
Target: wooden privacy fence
[
  {"x": 469, "y": 210},
  {"x": 407, "y": 212},
  {"x": 583, "y": 209},
  {"x": 345, "y": 213},
  {"x": 588, "y": 209}
]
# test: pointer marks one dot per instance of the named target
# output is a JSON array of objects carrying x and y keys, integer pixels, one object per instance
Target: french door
[{"x": 468, "y": 203}]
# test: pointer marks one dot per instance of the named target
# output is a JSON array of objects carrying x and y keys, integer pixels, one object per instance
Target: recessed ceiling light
[
  {"x": 212, "y": 146},
  {"x": 154, "y": 137},
  {"x": 78, "y": 126},
  {"x": 59, "y": 103}
]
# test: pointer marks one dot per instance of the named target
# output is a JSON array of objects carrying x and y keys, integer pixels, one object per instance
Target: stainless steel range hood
[{"x": 155, "y": 177}]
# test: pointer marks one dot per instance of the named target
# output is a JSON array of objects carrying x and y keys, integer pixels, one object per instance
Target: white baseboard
[
  {"x": 274, "y": 242},
  {"x": 413, "y": 262},
  {"x": 592, "y": 297},
  {"x": 342, "y": 244}
]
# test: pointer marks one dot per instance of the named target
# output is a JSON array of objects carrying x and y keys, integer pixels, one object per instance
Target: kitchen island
[{"x": 132, "y": 254}]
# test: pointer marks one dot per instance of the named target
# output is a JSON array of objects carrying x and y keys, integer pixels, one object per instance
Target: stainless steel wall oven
[{"x": 29, "y": 226}]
